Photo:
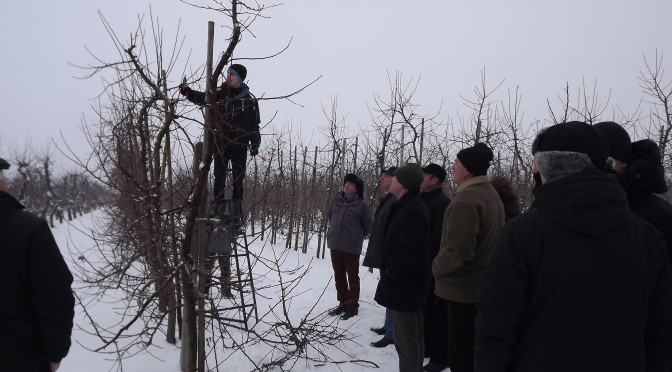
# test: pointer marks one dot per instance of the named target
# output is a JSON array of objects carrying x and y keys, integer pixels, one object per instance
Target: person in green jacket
[{"x": 470, "y": 228}]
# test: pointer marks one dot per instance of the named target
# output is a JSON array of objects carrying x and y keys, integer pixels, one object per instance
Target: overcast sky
[{"x": 538, "y": 46}]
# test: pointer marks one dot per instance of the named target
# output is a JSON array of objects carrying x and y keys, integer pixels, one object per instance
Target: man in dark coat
[
  {"x": 578, "y": 283},
  {"x": 641, "y": 172},
  {"x": 404, "y": 277},
  {"x": 36, "y": 315},
  {"x": 238, "y": 117},
  {"x": 435, "y": 310},
  {"x": 374, "y": 250}
]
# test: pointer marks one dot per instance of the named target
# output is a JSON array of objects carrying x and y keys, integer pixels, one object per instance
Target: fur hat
[
  {"x": 354, "y": 179},
  {"x": 390, "y": 171},
  {"x": 476, "y": 159},
  {"x": 410, "y": 176},
  {"x": 619, "y": 140},
  {"x": 436, "y": 171},
  {"x": 239, "y": 70},
  {"x": 567, "y": 148}
]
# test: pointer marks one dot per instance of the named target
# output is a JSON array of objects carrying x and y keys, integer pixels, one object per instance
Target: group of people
[{"x": 579, "y": 282}]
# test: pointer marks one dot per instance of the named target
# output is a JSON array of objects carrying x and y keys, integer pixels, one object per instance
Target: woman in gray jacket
[{"x": 349, "y": 223}]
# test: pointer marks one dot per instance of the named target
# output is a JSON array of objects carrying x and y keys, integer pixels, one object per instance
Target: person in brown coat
[
  {"x": 508, "y": 196},
  {"x": 471, "y": 225}
]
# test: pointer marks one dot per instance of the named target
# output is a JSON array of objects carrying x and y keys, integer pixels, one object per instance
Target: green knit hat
[{"x": 410, "y": 176}]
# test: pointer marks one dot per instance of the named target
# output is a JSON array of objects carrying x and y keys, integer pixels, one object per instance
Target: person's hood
[
  {"x": 8, "y": 206},
  {"x": 645, "y": 173},
  {"x": 589, "y": 202}
]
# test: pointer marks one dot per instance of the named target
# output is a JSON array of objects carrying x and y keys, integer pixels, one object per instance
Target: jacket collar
[
  {"x": 8, "y": 205},
  {"x": 478, "y": 180}
]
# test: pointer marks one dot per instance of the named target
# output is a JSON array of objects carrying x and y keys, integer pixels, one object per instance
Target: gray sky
[{"x": 537, "y": 46}]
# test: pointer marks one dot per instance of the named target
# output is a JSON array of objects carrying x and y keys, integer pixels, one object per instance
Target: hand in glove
[
  {"x": 184, "y": 89},
  {"x": 254, "y": 150}
]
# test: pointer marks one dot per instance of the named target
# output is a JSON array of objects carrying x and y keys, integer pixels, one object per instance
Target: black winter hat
[
  {"x": 476, "y": 159},
  {"x": 3, "y": 164},
  {"x": 390, "y": 171},
  {"x": 240, "y": 71},
  {"x": 619, "y": 140},
  {"x": 567, "y": 148},
  {"x": 645, "y": 172},
  {"x": 359, "y": 184},
  {"x": 409, "y": 176},
  {"x": 436, "y": 171}
]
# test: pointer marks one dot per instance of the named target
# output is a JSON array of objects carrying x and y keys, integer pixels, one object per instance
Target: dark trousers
[
  {"x": 461, "y": 336},
  {"x": 436, "y": 330},
  {"x": 346, "y": 278},
  {"x": 408, "y": 339},
  {"x": 237, "y": 156}
]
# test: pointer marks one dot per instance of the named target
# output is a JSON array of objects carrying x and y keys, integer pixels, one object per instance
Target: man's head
[
  {"x": 619, "y": 144},
  {"x": 433, "y": 175},
  {"x": 406, "y": 178},
  {"x": 472, "y": 162},
  {"x": 236, "y": 75},
  {"x": 567, "y": 148},
  {"x": 385, "y": 179},
  {"x": 4, "y": 186},
  {"x": 352, "y": 184}
]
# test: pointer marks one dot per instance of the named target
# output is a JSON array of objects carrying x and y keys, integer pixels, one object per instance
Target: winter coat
[
  {"x": 374, "y": 250},
  {"x": 576, "y": 284},
  {"x": 437, "y": 202},
  {"x": 349, "y": 223},
  {"x": 38, "y": 307},
  {"x": 238, "y": 116},
  {"x": 643, "y": 178},
  {"x": 404, "y": 278},
  {"x": 471, "y": 224}
]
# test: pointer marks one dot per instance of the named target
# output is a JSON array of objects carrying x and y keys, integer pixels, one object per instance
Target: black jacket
[
  {"x": 38, "y": 306},
  {"x": 437, "y": 202},
  {"x": 238, "y": 118},
  {"x": 404, "y": 277},
  {"x": 643, "y": 178},
  {"x": 576, "y": 284},
  {"x": 374, "y": 250}
]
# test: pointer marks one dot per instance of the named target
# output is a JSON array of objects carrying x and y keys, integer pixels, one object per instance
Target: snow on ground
[{"x": 165, "y": 357}]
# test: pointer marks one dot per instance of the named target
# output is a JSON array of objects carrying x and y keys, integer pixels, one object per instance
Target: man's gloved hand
[
  {"x": 184, "y": 89},
  {"x": 254, "y": 150}
]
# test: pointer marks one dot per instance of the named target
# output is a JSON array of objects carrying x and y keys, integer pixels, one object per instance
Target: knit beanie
[
  {"x": 619, "y": 140},
  {"x": 436, "y": 171},
  {"x": 567, "y": 148},
  {"x": 476, "y": 159},
  {"x": 354, "y": 179},
  {"x": 410, "y": 176},
  {"x": 240, "y": 71}
]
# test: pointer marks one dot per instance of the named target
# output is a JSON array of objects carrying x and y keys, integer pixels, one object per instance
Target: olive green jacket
[{"x": 471, "y": 225}]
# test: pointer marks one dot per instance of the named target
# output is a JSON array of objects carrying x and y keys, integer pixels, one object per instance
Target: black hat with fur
[
  {"x": 436, "y": 171},
  {"x": 359, "y": 184},
  {"x": 567, "y": 148}
]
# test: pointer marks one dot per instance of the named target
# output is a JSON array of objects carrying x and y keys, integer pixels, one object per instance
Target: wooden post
[{"x": 422, "y": 140}]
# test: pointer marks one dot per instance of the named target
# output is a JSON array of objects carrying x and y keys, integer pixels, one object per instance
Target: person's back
[
  {"x": 36, "y": 318},
  {"x": 578, "y": 283}
]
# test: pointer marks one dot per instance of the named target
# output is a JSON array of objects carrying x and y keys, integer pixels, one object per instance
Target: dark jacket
[
  {"x": 238, "y": 116},
  {"x": 349, "y": 223},
  {"x": 576, "y": 284},
  {"x": 436, "y": 202},
  {"x": 38, "y": 307},
  {"x": 404, "y": 278},
  {"x": 643, "y": 178},
  {"x": 374, "y": 250}
]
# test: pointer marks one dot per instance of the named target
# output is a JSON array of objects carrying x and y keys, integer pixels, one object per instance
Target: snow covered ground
[{"x": 165, "y": 357}]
